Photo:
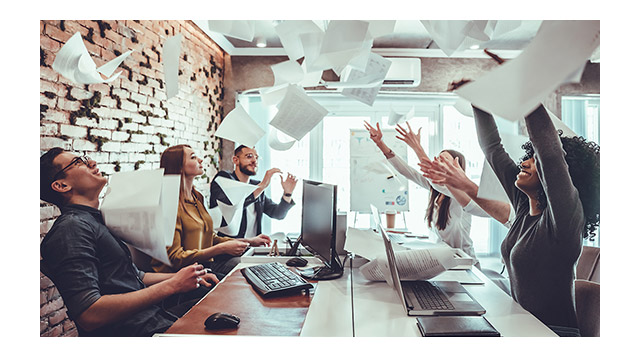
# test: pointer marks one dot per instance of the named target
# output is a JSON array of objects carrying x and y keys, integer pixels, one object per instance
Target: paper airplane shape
[
  {"x": 240, "y": 29},
  {"x": 74, "y": 62}
]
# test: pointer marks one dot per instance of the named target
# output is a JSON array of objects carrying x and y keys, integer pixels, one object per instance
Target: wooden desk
[{"x": 377, "y": 311}]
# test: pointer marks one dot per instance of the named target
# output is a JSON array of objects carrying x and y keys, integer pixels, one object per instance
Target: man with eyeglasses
[
  {"x": 245, "y": 162},
  {"x": 105, "y": 293}
]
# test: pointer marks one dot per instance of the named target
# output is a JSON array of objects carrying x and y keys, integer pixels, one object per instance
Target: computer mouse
[
  {"x": 297, "y": 262},
  {"x": 221, "y": 320}
]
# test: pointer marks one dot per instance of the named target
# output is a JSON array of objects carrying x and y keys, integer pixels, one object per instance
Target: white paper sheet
[
  {"x": 240, "y": 29},
  {"x": 239, "y": 127},
  {"x": 448, "y": 34},
  {"x": 463, "y": 107},
  {"x": 489, "y": 186},
  {"x": 216, "y": 216},
  {"x": 415, "y": 264},
  {"x": 273, "y": 95},
  {"x": 515, "y": 88},
  {"x": 170, "y": 64},
  {"x": 287, "y": 72},
  {"x": 343, "y": 40},
  {"x": 377, "y": 67},
  {"x": 236, "y": 191},
  {"x": 289, "y": 32},
  {"x": 141, "y": 208},
  {"x": 310, "y": 79},
  {"x": 74, "y": 62},
  {"x": 396, "y": 118},
  {"x": 379, "y": 28},
  {"x": 108, "y": 68},
  {"x": 233, "y": 216},
  {"x": 297, "y": 113},
  {"x": 276, "y": 143},
  {"x": 364, "y": 242}
]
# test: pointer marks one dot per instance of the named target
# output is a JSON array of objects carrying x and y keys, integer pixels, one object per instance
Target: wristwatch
[{"x": 287, "y": 195}]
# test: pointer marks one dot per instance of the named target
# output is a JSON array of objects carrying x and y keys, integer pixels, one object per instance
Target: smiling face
[
  {"x": 79, "y": 179},
  {"x": 191, "y": 164},
  {"x": 247, "y": 161},
  {"x": 527, "y": 179}
]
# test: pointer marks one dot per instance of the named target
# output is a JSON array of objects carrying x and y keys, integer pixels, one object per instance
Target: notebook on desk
[{"x": 444, "y": 297}]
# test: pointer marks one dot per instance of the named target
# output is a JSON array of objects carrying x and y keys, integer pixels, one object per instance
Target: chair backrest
[
  {"x": 588, "y": 307},
  {"x": 588, "y": 267}
]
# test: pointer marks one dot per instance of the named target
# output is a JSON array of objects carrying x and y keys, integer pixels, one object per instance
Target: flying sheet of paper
[
  {"x": 515, "y": 88},
  {"x": 74, "y": 62},
  {"x": 311, "y": 43},
  {"x": 310, "y": 79},
  {"x": 240, "y": 29},
  {"x": 448, "y": 34},
  {"x": 398, "y": 118},
  {"x": 276, "y": 143},
  {"x": 379, "y": 28},
  {"x": 170, "y": 63},
  {"x": 141, "y": 208},
  {"x": 414, "y": 264},
  {"x": 364, "y": 242},
  {"x": 490, "y": 187},
  {"x": 343, "y": 40},
  {"x": 287, "y": 72},
  {"x": 377, "y": 67},
  {"x": 239, "y": 127},
  {"x": 108, "y": 68},
  {"x": 236, "y": 191},
  {"x": 289, "y": 32},
  {"x": 232, "y": 216},
  {"x": 297, "y": 114},
  {"x": 273, "y": 95},
  {"x": 216, "y": 216},
  {"x": 463, "y": 107}
]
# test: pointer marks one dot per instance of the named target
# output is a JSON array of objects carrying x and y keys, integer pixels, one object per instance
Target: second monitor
[{"x": 319, "y": 217}]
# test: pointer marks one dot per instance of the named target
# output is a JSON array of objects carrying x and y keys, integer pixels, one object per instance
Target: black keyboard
[
  {"x": 429, "y": 297},
  {"x": 273, "y": 279}
]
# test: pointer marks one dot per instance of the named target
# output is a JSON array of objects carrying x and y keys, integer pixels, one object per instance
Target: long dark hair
[{"x": 443, "y": 210}]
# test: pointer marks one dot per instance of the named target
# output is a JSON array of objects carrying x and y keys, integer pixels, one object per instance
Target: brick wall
[{"x": 125, "y": 125}]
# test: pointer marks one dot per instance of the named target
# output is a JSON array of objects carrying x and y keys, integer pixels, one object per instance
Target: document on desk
[
  {"x": 415, "y": 264},
  {"x": 141, "y": 208}
]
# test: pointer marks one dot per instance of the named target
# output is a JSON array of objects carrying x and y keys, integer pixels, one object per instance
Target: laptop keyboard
[
  {"x": 429, "y": 297},
  {"x": 274, "y": 279}
]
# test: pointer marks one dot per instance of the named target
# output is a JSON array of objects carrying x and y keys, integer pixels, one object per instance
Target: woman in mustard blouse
[{"x": 194, "y": 239}]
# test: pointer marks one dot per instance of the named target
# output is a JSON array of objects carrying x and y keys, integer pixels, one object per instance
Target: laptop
[
  {"x": 395, "y": 237},
  {"x": 456, "y": 299}
]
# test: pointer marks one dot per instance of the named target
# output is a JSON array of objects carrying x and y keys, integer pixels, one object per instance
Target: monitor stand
[{"x": 325, "y": 272}]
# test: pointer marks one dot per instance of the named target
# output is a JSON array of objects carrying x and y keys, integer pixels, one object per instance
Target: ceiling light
[
  {"x": 261, "y": 42},
  {"x": 474, "y": 47}
]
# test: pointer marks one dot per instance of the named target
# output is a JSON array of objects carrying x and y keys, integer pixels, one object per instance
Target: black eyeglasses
[{"x": 84, "y": 159}]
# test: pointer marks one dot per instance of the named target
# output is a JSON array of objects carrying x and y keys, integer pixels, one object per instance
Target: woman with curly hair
[{"x": 555, "y": 191}]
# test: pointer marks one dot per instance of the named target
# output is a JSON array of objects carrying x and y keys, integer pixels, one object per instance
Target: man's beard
[{"x": 245, "y": 170}]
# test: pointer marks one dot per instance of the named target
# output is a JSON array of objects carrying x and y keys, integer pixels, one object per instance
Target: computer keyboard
[
  {"x": 396, "y": 237},
  {"x": 429, "y": 297},
  {"x": 275, "y": 278}
]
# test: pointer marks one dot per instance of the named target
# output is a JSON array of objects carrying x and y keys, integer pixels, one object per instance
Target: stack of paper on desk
[{"x": 141, "y": 208}]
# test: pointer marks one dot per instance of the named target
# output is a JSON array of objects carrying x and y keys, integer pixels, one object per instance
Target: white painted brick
[
  {"x": 88, "y": 122},
  {"x": 142, "y": 99},
  {"x": 100, "y": 157},
  {"x": 101, "y": 132},
  {"x": 48, "y": 142},
  {"x": 140, "y": 138},
  {"x": 129, "y": 106},
  {"x": 138, "y": 118},
  {"x": 56, "y": 116},
  {"x": 49, "y": 129},
  {"x": 111, "y": 146},
  {"x": 120, "y": 136},
  {"x": 73, "y": 131},
  {"x": 118, "y": 156},
  {"x": 133, "y": 157},
  {"x": 110, "y": 124},
  {"x": 80, "y": 93},
  {"x": 83, "y": 145}
]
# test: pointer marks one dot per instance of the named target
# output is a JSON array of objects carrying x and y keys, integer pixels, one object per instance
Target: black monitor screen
[{"x": 319, "y": 201}]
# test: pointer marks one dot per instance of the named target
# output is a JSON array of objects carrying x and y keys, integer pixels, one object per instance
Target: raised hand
[
  {"x": 447, "y": 171},
  {"x": 267, "y": 177},
  {"x": 289, "y": 184},
  {"x": 411, "y": 139},
  {"x": 374, "y": 133}
]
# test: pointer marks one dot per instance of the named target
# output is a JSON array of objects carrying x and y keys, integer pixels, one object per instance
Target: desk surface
[{"x": 378, "y": 312}]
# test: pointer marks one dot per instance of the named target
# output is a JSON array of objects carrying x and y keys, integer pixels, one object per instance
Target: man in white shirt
[{"x": 256, "y": 204}]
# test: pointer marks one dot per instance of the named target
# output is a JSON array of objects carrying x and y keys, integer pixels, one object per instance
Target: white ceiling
[{"x": 409, "y": 39}]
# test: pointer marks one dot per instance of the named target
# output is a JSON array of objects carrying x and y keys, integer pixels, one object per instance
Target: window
[{"x": 323, "y": 155}]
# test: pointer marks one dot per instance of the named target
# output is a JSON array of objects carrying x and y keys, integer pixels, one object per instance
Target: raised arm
[{"x": 562, "y": 196}]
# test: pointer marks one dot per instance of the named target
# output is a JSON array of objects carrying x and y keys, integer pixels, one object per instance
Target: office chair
[
  {"x": 588, "y": 267},
  {"x": 588, "y": 307}
]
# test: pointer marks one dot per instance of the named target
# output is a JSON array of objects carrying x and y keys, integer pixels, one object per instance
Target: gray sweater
[{"x": 540, "y": 252}]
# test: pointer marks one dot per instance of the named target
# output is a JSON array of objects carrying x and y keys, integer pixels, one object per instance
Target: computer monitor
[{"x": 319, "y": 211}]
